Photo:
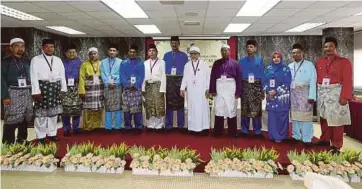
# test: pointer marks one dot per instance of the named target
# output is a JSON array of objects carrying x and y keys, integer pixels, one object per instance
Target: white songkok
[
  {"x": 16, "y": 40},
  {"x": 195, "y": 49},
  {"x": 92, "y": 49},
  {"x": 225, "y": 46}
]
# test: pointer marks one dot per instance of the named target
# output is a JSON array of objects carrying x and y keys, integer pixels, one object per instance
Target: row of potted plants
[
  {"x": 24, "y": 157},
  {"x": 346, "y": 165}
]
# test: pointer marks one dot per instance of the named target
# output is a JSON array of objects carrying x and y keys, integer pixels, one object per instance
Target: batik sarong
[
  {"x": 72, "y": 104},
  {"x": 154, "y": 100},
  {"x": 51, "y": 105},
  {"x": 301, "y": 110},
  {"x": 173, "y": 99},
  {"x": 132, "y": 101},
  {"x": 251, "y": 99},
  {"x": 113, "y": 99},
  {"x": 329, "y": 107},
  {"x": 21, "y": 107}
]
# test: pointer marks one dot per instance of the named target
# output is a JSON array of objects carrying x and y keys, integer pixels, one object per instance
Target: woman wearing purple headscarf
[{"x": 277, "y": 87}]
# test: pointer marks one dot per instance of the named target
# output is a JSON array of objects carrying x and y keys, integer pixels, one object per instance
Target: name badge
[
  {"x": 96, "y": 79},
  {"x": 70, "y": 82},
  {"x": 150, "y": 81},
  {"x": 292, "y": 85},
  {"x": 251, "y": 78},
  {"x": 194, "y": 82},
  {"x": 272, "y": 83},
  {"x": 111, "y": 81},
  {"x": 21, "y": 82},
  {"x": 173, "y": 71},
  {"x": 52, "y": 78},
  {"x": 223, "y": 77},
  {"x": 325, "y": 82},
  {"x": 133, "y": 80}
]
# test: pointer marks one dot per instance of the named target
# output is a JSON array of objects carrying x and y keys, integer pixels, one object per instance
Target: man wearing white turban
[{"x": 196, "y": 83}]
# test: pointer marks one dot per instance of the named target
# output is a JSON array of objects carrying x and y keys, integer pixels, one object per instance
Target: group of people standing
[{"x": 123, "y": 88}]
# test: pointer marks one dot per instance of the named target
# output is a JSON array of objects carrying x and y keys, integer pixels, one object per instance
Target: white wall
[{"x": 357, "y": 64}]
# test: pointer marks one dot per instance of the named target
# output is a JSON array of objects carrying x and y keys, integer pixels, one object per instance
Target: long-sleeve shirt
[
  {"x": 338, "y": 70},
  {"x": 282, "y": 77},
  {"x": 252, "y": 65},
  {"x": 12, "y": 68},
  {"x": 304, "y": 73},
  {"x": 110, "y": 70},
  {"x": 228, "y": 68},
  {"x": 132, "y": 68},
  {"x": 40, "y": 70},
  {"x": 86, "y": 71},
  {"x": 71, "y": 68},
  {"x": 176, "y": 59},
  {"x": 157, "y": 74}
]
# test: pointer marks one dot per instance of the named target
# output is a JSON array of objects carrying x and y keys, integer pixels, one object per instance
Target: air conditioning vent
[
  {"x": 191, "y": 23},
  {"x": 172, "y": 2}
]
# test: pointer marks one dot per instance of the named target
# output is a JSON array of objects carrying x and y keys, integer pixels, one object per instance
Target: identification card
[
  {"x": 272, "y": 83},
  {"x": 325, "y": 82},
  {"x": 150, "y": 81},
  {"x": 22, "y": 82},
  {"x": 194, "y": 82},
  {"x": 96, "y": 79},
  {"x": 133, "y": 80},
  {"x": 71, "y": 82},
  {"x": 251, "y": 78},
  {"x": 292, "y": 85},
  {"x": 111, "y": 81},
  {"x": 173, "y": 71},
  {"x": 223, "y": 77}
]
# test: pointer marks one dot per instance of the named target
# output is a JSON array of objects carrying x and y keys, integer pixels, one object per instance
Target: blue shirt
[
  {"x": 176, "y": 59},
  {"x": 132, "y": 68},
  {"x": 71, "y": 68},
  {"x": 252, "y": 65},
  {"x": 110, "y": 68}
]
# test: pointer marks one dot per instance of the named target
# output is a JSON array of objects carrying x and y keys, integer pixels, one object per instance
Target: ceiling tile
[
  {"x": 346, "y": 11},
  {"x": 26, "y": 7},
  {"x": 115, "y": 22},
  {"x": 294, "y": 4},
  {"x": 90, "y": 6},
  {"x": 245, "y": 19},
  {"x": 76, "y": 15},
  {"x": 56, "y": 6},
  {"x": 192, "y": 5},
  {"x": 224, "y": 12},
  {"x": 219, "y": 5},
  {"x": 91, "y": 22},
  {"x": 328, "y": 4},
  {"x": 152, "y": 5},
  {"x": 282, "y": 12},
  {"x": 140, "y": 21},
  {"x": 270, "y": 20},
  {"x": 184, "y": 13},
  {"x": 313, "y": 12},
  {"x": 328, "y": 18},
  {"x": 49, "y": 16},
  {"x": 104, "y": 15},
  {"x": 161, "y": 14},
  {"x": 354, "y": 4}
]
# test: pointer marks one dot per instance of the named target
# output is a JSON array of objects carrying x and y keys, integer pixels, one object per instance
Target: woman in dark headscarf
[{"x": 277, "y": 87}]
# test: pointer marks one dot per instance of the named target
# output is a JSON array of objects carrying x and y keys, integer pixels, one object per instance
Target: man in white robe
[
  {"x": 154, "y": 89},
  {"x": 47, "y": 82},
  {"x": 196, "y": 81}
]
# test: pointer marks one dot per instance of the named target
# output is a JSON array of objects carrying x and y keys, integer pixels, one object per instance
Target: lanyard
[
  {"x": 195, "y": 69},
  {"x": 154, "y": 63},
  {"x": 21, "y": 63},
  {"x": 296, "y": 70},
  {"x": 111, "y": 65},
  {"x": 94, "y": 70},
  {"x": 50, "y": 65},
  {"x": 329, "y": 65}
]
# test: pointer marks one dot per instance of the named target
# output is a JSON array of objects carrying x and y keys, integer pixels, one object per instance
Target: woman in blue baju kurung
[{"x": 277, "y": 87}]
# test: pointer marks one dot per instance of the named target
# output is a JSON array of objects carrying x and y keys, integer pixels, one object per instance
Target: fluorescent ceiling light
[
  {"x": 304, "y": 27},
  {"x": 148, "y": 29},
  {"x": 256, "y": 7},
  {"x": 65, "y": 30},
  {"x": 126, "y": 8},
  {"x": 193, "y": 37},
  {"x": 7, "y": 11},
  {"x": 236, "y": 28},
  {"x": 358, "y": 14}
]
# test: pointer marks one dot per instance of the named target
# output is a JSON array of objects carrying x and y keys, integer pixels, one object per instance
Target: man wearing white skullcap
[
  {"x": 225, "y": 86},
  {"x": 48, "y": 84},
  {"x": 196, "y": 83},
  {"x": 90, "y": 89},
  {"x": 16, "y": 93}
]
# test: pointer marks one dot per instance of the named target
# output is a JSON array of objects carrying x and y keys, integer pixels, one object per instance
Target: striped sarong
[{"x": 94, "y": 95}]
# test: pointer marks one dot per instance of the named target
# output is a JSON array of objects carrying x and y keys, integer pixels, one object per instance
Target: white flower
[
  {"x": 145, "y": 164},
  {"x": 135, "y": 164}
]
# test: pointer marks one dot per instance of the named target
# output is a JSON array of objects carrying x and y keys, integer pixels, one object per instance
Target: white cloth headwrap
[
  {"x": 92, "y": 49},
  {"x": 16, "y": 40},
  {"x": 194, "y": 48},
  {"x": 225, "y": 46}
]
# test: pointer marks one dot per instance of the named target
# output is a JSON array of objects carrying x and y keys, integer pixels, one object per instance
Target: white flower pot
[
  {"x": 259, "y": 175},
  {"x": 139, "y": 171},
  {"x": 84, "y": 169},
  {"x": 70, "y": 168},
  {"x": 355, "y": 179},
  {"x": 269, "y": 175},
  {"x": 345, "y": 179},
  {"x": 185, "y": 173},
  {"x": 4, "y": 168},
  {"x": 32, "y": 168},
  {"x": 119, "y": 170}
]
